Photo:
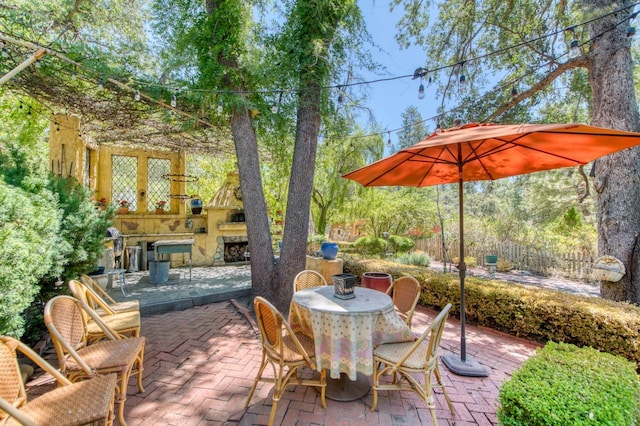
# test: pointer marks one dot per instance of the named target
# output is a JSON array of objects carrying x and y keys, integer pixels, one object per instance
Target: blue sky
[{"x": 389, "y": 99}]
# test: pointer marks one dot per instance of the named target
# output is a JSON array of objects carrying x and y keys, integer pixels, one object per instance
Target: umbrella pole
[{"x": 462, "y": 366}]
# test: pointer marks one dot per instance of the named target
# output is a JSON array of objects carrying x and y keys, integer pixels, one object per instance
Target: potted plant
[
  {"x": 196, "y": 205},
  {"x": 124, "y": 206},
  {"x": 160, "y": 206}
]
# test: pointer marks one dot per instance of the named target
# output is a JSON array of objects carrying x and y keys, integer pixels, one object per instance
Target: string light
[
  {"x": 136, "y": 95},
  {"x": 438, "y": 127},
  {"x": 462, "y": 79},
  {"x": 274, "y": 108},
  {"x": 220, "y": 109},
  {"x": 514, "y": 92},
  {"x": 100, "y": 84},
  {"x": 574, "y": 46},
  {"x": 421, "y": 90},
  {"x": 5, "y": 52},
  {"x": 631, "y": 30},
  {"x": 174, "y": 102},
  {"x": 389, "y": 140},
  {"x": 74, "y": 74},
  {"x": 340, "y": 95}
]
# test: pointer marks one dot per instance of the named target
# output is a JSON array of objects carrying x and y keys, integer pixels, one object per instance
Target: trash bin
[
  {"x": 158, "y": 271},
  {"x": 133, "y": 258}
]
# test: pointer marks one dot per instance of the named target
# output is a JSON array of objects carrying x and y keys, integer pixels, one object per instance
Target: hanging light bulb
[
  {"x": 340, "y": 96},
  {"x": 574, "y": 49},
  {"x": 274, "y": 108},
  {"x": 574, "y": 45},
  {"x": 5, "y": 52},
  {"x": 389, "y": 140},
  {"x": 514, "y": 92},
  {"x": 100, "y": 84},
  {"x": 74, "y": 74},
  {"x": 220, "y": 109},
  {"x": 462, "y": 79},
  {"x": 421, "y": 91},
  {"x": 174, "y": 102},
  {"x": 631, "y": 30},
  {"x": 438, "y": 127},
  {"x": 136, "y": 95}
]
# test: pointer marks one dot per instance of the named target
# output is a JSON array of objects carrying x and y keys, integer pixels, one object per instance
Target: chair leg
[
  {"x": 263, "y": 364},
  {"x": 139, "y": 362},
  {"x": 441, "y": 385},
  {"x": 376, "y": 379},
  {"x": 323, "y": 388},
  {"x": 121, "y": 397}
]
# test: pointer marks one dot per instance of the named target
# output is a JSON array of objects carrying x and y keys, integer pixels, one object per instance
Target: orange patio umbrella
[{"x": 475, "y": 152}]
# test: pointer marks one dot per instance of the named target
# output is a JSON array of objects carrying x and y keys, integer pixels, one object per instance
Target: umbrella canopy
[{"x": 475, "y": 152}]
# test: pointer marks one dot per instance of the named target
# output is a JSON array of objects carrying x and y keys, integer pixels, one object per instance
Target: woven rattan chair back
[
  {"x": 286, "y": 352},
  {"x": 91, "y": 401},
  {"x": 403, "y": 361},
  {"x": 79, "y": 360},
  {"x": 67, "y": 316},
  {"x": 11, "y": 386},
  {"x": 308, "y": 279},
  {"x": 405, "y": 292}
]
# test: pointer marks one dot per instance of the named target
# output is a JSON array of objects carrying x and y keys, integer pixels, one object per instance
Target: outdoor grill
[{"x": 118, "y": 243}]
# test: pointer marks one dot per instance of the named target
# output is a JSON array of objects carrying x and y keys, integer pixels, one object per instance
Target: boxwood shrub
[
  {"x": 566, "y": 385},
  {"x": 525, "y": 311}
]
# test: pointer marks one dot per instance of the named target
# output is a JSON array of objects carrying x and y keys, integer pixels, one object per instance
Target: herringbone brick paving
[{"x": 201, "y": 362}]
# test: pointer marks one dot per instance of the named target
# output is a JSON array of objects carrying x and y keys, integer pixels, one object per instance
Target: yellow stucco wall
[{"x": 73, "y": 154}]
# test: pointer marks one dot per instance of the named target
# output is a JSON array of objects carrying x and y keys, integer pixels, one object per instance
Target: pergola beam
[{"x": 30, "y": 60}]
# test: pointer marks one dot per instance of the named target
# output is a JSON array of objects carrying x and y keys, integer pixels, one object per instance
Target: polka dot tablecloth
[{"x": 347, "y": 331}]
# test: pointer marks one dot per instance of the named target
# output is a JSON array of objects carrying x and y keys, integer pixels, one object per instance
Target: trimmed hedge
[
  {"x": 565, "y": 385},
  {"x": 529, "y": 312}
]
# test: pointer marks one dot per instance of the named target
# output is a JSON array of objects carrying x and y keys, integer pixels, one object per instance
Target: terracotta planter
[
  {"x": 159, "y": 211},
  {"x": 377, "y": 280},
  {"x": 123, "y": 210}
]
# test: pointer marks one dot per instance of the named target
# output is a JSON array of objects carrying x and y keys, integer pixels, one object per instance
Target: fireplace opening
[{"x": 235, "y": 251}]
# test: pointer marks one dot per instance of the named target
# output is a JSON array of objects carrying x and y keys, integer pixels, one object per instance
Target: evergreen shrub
[
  {"x": 525, "y": 311},
  {"x": 370, "y": 245},
  {"x": 398, "y": 244},
  {"x": 566, "y": 385}
]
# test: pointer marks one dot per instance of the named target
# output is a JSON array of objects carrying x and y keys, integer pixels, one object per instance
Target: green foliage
[
  {"x": 82, "y": 229},
  {"x": 529, "y": 312},
  {"x": 470, "y": 261},
  {"x": 413, "y": 258},
  {"x": 370, "y": 245},
  {"x": 398, "y": 244},
  {"x": 504, "y": 265},
  {"x": 565, "y": 385},
  {"x": 29, "y": 250}
]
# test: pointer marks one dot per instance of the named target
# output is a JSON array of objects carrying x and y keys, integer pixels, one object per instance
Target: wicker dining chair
[
  {"x": 79, "y": 360},
  {"x": 307, "y": 279},
  {"x": 98, "y": 294},
  {"x": 405, "y": 292},
  {"x": 124, "y": 323},
  {"x": 87, "y": 402},
  {"x": 402, "y": 360},
  {"x": 286, "y": 352}
]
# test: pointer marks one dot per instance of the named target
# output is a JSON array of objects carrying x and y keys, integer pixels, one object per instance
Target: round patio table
[{"x": 345, "y": 332}]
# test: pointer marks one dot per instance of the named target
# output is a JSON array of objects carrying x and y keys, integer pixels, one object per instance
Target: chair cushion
[
  {"x": 392, "y": 353},
  {"x": 117, "y": 322},
  {"x": 128, "y": 306},
  {"x": 108, "y": 354}
]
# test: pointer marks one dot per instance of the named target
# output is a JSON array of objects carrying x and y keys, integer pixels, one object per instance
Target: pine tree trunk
[{"x": 617, "y": 175}]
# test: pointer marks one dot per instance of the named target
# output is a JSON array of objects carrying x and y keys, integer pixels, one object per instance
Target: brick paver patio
[{"x": 201, "y": 362}]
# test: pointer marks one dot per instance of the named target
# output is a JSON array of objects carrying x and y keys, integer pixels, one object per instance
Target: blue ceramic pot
[{"x": 329, "y": 250}]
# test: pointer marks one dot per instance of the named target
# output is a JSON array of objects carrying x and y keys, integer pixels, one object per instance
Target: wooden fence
[{"x": 539, "y": 262}]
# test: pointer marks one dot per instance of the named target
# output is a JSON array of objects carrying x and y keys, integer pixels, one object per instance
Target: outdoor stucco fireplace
[{"x": 227, "y": 225}]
